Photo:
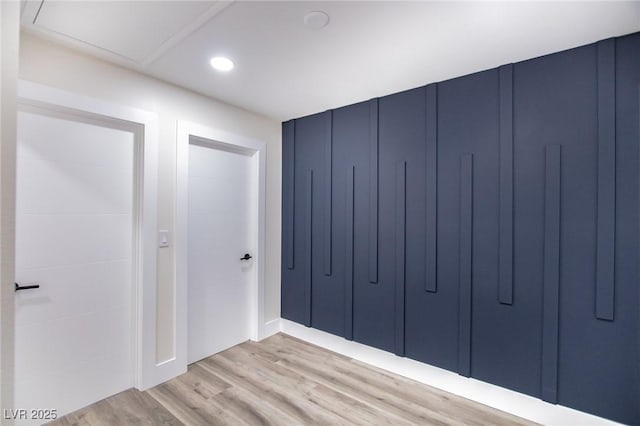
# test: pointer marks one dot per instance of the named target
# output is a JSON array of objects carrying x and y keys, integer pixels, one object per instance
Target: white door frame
[
  {"x": 215, "y": 138},
  {"x": 143, "y": 125}
]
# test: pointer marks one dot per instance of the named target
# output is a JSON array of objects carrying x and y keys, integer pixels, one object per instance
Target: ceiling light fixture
[
  {"x": 221, "y": 63},
  {"x": 316, "y": 20}
]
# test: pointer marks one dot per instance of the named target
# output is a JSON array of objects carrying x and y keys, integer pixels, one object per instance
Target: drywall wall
[
  {"x": 9, "y": 36},
  {"x": 56, "y": 66}
]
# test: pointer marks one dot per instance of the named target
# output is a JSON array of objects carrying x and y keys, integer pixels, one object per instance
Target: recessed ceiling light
[
  {"x": 221, "y": 63},
  {"x": 316, "y": 19}
]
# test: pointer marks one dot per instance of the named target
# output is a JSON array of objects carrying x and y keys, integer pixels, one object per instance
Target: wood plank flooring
[{"x": 285, "y": 381}]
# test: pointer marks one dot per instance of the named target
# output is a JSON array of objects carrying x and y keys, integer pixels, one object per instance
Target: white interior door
[
  {"x": 74, "y": 237},
  {"x": 222, "y": 198}
]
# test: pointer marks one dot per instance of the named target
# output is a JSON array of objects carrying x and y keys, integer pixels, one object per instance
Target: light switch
[{"x": 163, "y": 237}]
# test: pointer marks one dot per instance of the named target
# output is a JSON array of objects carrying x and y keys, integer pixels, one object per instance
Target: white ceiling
[{"x": 286, "y": 70}]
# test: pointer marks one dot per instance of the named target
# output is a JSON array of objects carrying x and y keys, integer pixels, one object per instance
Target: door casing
[
  {"x": 143, "y": 124},
  {"x": 217, "y": 139}
]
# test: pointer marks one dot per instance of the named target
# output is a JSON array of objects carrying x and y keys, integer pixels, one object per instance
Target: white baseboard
[
  {"x": 516, "y": 403},
  {"x": 162, "y": 372},
  {"x": 270, "y": 328}
]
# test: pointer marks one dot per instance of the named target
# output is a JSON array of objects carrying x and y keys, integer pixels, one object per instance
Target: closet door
[
  {"x": 555, "y": 181},
  {"x": 575, "y": 200},
  {"x": 352, "y": 143},
  {"x": 293, "y": 301},
  {"x": 571, "y": 99},
  {"x": 303, "y": 237},
  {"x": 430, "y": 311},
  {"x": 311, "y": 293},
  {"x": 506, "y": 303},
  {"x": 622, "y": 356},
  {"x": 315, "y": 139},
  {"x": 467, "y": 222},
  {"x": 401, "y": 215}
]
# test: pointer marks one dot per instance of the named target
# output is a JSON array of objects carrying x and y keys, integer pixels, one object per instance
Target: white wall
[
  {"x": 55, "y": 66},
  {"x": 9, "y": 33}
]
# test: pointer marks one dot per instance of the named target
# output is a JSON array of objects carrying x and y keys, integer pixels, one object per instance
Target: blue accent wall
[{"x": 488, "y": 225}]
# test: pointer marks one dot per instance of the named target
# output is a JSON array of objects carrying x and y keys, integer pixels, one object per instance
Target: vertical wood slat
[
  {"x": 309, "y": 238},
  {"x": 400, "y": 253},
  {"x": 505, "y": 283},
  {"x": 431, "y": 232},
  {"x": 373, "y": 191},
  {"x": 328, "y": 223},
  {"x": 605, "y": 252},
  {"x": 289, "y": 129},
  {"x": 465, "y": 264},
  {"x": 349, "y": 231},
  {"x": 551, "y": 280}
]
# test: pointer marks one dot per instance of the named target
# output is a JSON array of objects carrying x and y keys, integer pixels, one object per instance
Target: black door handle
[
  {"x": 26, "y": 287},
  {"x": 246, "y": 256}
]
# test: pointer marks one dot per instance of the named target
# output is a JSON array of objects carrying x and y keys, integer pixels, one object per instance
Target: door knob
[
  {"x": 246, "y": 256},
  {"x": 26, "y": 287}
]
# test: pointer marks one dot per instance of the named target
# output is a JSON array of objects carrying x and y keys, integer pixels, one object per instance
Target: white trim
[
  {"x": 29, "y": 24},
  {"x": 186, "y": 31},
  {"x": 516, "y": 403},
  {"x": 271, "y": 327},
  {"x": 33, "y": 94},
  {"x": 214, "y": 137}
]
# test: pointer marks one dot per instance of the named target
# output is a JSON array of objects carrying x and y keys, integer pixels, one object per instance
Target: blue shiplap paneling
[
  {"x": 292, "y": 290},
  {"x": 394, "y": 140},
  {"x": 351, "y": 146},
  {"x": 559, "y": 243},
  {"x": 468, "y": 112},
  {"x": 323, "y": 293},
  {"x": 402, "y": 246},
  {"x": 583, "y": 373}
]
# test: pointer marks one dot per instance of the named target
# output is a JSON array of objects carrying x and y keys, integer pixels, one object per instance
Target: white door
[
  {"x": 74, "y": 237},
  {"x": 222, "y": 201}
]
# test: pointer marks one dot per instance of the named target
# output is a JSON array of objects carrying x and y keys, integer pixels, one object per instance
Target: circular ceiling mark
[{"x": 316, "y": 19}]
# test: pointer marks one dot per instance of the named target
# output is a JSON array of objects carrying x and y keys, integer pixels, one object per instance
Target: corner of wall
[{"x": 9, "y": 44}]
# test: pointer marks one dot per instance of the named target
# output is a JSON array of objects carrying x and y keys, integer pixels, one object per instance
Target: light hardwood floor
[{"x": 285, "y": 381}]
